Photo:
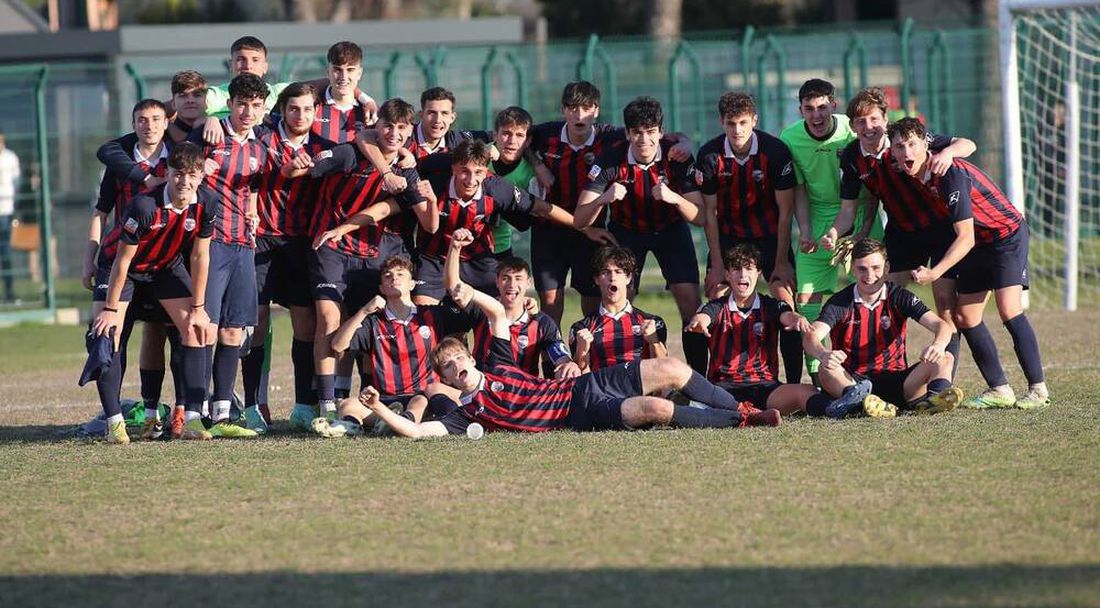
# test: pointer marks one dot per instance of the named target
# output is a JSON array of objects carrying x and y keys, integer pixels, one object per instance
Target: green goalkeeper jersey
[
  {"x": 520, "y": 177},
  {"x": 817, "y": 162},
  {"x": 217, "y": 98}
]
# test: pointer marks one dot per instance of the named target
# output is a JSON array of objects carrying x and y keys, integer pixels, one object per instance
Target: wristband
[
  {"x": 387, "y": 172},
  {"x": 194, "y": 306},
  {"x": 109, "y": 309}
]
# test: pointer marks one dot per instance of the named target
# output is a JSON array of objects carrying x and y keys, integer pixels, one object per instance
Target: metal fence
[{"x": 62, "y": 112}]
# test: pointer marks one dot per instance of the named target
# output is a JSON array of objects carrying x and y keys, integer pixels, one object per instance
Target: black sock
[
  {"x": 984, "y": 351},
  {"x": 109, "y": 385},
  {"x": 700, "y": 389},
  {"x": 696, "y": 349},
  {"x": 326, "y": 387},
  {"x": 151, "y": 380},
  {"x": 816, "y": 404},
  {"x": 301, "y": 357},
  {"x": 123, "y": 341},
  {"x": 175, "y": 363},
  {"x": 194, "y": 376},
  {"x": 790, "y": 348},
  {"x": 953, "y": 348},
  {"x": 1027, "y": 347},
  {"x": 938, "y": 385},
  {"x": 208, "y": 370},
  {"x": 689, "y": 417},
  {"x": 252, "y": 370},
  {"x": 225, "y": 372}
]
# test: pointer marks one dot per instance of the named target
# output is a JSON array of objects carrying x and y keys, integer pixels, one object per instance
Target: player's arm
[
  {"x": 955, "y": 189},
  {"x": 299, "y": 164},
  {"x": 686, "y": 204},
  {"x": 367, "y": 142},
  {"x": 812, "y": 345},
  {"x": 197, "y": 318},
  {"x": 370, "y": 216},
  {"x": 580, "y": 342},
  {"x": 341, "y": 340},
  {"x": 960, "y": 147},
  {"x": 399, "y": 424},
  {"x": 95, "y": 235},
  {"x": 714, "y": 276},
  {"x": 654, "y": 333},
  {"x": 942, "y": 336},
  {"x": 841, "y": 224},
  {"x": 452, "y": 268},
  {"x": 552, "y": 212},
  {"x": 700, "y": 323},
  {"x": 599, "y": 193},
  {"x": 493, "y": 309},
  {"x": 783, "y": 272}
]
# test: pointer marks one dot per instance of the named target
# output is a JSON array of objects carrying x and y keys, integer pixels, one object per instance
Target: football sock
[
  {"x": 123, "y": 341},
  {"x": 815, "y": 405},
  {"x": 326, "y": 387},
  {"x": 790, "y": 347},
  {"x": 953, "y": 348},
  {"x": 109, "y": 385},
  {"x": 984, "y": 351},
  {"x": 685, "y": 416},
  {"x": 1027, "y": 347},
  {"x": 301, "y": 357},
  {"x": 696, "y": 349},
  {"x": 151, "y": 380},
  {"x": 810, "y": 310},
  {"x": 700, "y": 389},
  {"x": 343, "y": 387},
  {"x": 194, "y": 376},
  {"x": 208, "y": 372},
  {"x": 251, "y": 374},
  {"x": 225, "y": 371},
  {"x": 938, "y": 385},
  {"x": 175, "y": 363}
]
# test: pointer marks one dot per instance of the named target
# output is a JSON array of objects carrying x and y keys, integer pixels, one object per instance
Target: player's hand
[
  {"x": 544, "y": 177},
  {"x": 198, "y": 322},
  {"x": 584, "y": 339},
  {"x": 252, "y": 223},
  {"x": 664, "y": 193},
  {"x": 922, "y": 275},
  {"x": 800, "y": 324},
  {"x": 784, "y": 275},
  {"x": 615, "y": 193},
  {"x": 87, "y": 278},
  {"x": 424, "y": 188},
  {"x": 806, "y": 243},
  {"x": 599, "y": 235},
  {"x": 212, "y": 132},
  {"x": 494, "y": 153},
  {"x": 301, "y": 160},
  {"x": 941, "y": 162},
  {"x": 406, "y": 159},
  {"x": 461, "y": 238},
  {"x": 833, "y": 359},
  {"x": 374, "y": 305},
  {"x": 152, "y": 181},
  {"x": 394, "y": 183},
  {"x": 828, "y": 240},
  {"x": 681, "y": 152},
  {"x": 933, "y": 353},
  {"x": 712, "y": 281},
  {"x": 568, "y": 369},
  {"x": 370, "y": 108},
  {"x": 462, "y": 293},
  {"x": 326, "y": 236},
  {"x": 649, "y": 331},
  {"x": 369, "y": 397},
  {"x": 530, "y": 305},
  {"x": 210, "y": 166},
  {"x": 699, "y": 324},
  {"x": 104, "y": 322}
]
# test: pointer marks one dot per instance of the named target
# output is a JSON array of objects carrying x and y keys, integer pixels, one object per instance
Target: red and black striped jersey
[
  {"x": 161, "y": 232},
  {"x": 532, "y": 336},
  {"x": 510, "y": 399},
  {"x": 400, "y": 349},
  {"x": 450, "y": 140},
  {"x": 745, "y": 188},
  {"x": 116, "y": 191},
  {"x": 969, "y": 193},
  {"x": 495, "y": 197},
  {"x": 743, "y": 343},
  {"x": 639, "y": 211},
  {"x": 904, "y": 207},
  {"x": 239, "y": 165},
  {"x": 351, "y": 184},
  {"x": 286, "y": 204},
  {"x": 570, "y": 164},
  {"x": 338, "y": 124},
  {"x": 617, "y": 338},
  {"x": 871, "y": 334}
]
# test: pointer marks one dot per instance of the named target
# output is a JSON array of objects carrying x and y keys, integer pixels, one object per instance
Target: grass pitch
[{"x": 966, "y": 509}]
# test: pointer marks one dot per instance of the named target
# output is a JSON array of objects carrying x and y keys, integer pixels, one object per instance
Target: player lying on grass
[
  {"x": 866, "y": 325},
  {"x": 743, "y": 330},
  {"x": 504, "y": 397}
]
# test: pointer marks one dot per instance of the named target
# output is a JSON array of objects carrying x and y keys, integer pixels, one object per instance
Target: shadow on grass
[
  {"x": 993, "y": 585},
  {"x": 56, "y": 433}
]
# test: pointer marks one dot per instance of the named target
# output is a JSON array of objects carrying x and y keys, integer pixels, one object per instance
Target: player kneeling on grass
[
  {"x": 157, "y": 227},
  {"x": 504, "y": 397},
  {"x": 743, "y": 330},
  {"x": 867, "y": 365}
]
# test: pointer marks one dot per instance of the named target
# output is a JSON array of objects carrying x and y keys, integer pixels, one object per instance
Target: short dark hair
[
  {"x": 580, "y": 93},
  {"x": 248, "y": 43},
  {"x": 643, "y": 113},
  {"x": 147, "y": 104},
  {"x": 188, "y": 80},
  {"x": 436, "y": 94},
  {"x": 513, "y": 264},
  {"x": 345, "y": 53},
  {"x": 614, "y": 254},
  {"x": 513, "y": 116},
  {"x": 247, "y": 86},
  {"x": 186, "y": 156},
  {"x": 866, "y": 247},
  {"x": 906, "y": 127},
  {"x": 472, "y": 150},
  {"x": 399, "y": 261},
  {"x": 866, "y": 100},
  {"x": 397, "y": 110},
  {"x": 816, "y": 87},
  {"x": 741, "y": 256},
  {"x": 736, "y": 103},
  {"x": 295, "y": 89}
]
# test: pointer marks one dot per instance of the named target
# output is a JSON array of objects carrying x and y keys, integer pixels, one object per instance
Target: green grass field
[{"x": 995, "y": 508}]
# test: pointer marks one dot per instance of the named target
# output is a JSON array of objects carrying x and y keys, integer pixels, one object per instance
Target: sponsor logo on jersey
[
  {"x": 131, "y": 225},
  {"x": 594, "y": 172}
]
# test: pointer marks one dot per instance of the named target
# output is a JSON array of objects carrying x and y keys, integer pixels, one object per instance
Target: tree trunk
[
  {"x": 341, "y": 11},
  {"x": 665, "y": 19},
  {"x": 300, "y": 10}
]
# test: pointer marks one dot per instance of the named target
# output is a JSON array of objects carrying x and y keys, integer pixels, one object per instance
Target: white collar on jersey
[
  {"x": 884, "y": 145},
  {"x": 630, "y": 160},
  {"x": 392, "y": 317},
  {"x": 140, "y": 158},
  {"x": 466, "y": 398},
  {"x": 167, "y": 202},
  {"x": 731, "y": 303},
  {"x": 453, "y": 194},
  {"x": 229, "y": 131},
  {"x": 754, "y": 149},
  {"x": 329, "y": 101},
  {"x": 877, "y": 299},
  {"x": 283, "y": 135},
  {"x": 629, "y": 308},
  {"x": 588, "y": 142},
  {"x": 521, "y": 319},
  {"x": 420, "y": 141}
]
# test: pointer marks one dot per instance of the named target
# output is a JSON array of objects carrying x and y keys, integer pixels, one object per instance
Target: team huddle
[{"x": 386, "y": 234}]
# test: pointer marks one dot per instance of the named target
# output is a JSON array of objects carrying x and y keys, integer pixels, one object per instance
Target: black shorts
[
  {"x": 339, "y": 277},
  {"x": 995, "y": 265},
  {"x": 890, "y": 385},
  {"x": 597, "y": 403},
  {"x": 231, "y": 285},
  {"x": 673, "y": 247},
  {"x": 910, "y": 250},
  {"x": 767, "y": 245},
  {"x": 479, "y": 273},
  {"x": 557, "y": 251},
  {"x": 144, "y": 306},
  {"x": 756, "y": 393},
  {"x": 282, "y": 270}
]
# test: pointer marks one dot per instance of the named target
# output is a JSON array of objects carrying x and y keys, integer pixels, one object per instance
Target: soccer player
[
  {"x": 533, "y": 334},
  {"x": 500, "y": 396},
  {"x": 815, "y": 143},
  {"x": 747, "y": 180},
  {"x": 616, "y": 332},
  {"x": 743, "y": 330},
  {"x": 156, "y": 228},
  {"x": 189, "y": 101},
  {"x": 865, "y": 366},
  {"x": 988, "y": 253},
  {"x": 353, "y": 235},
  {"x": 515, "y": 163},
  {"x": 915, "y": 233},
  {"x": 650, "y": 198},
  {"x": 340, "y": 115}
]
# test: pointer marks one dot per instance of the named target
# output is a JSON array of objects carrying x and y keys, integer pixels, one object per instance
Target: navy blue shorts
[
  {"x": 767, "y": 246},
  {"x": 479, "y": 273},
  {"x": 890, "y": 385},
  {"x": 339, "y": 277},
  {"x": 756, "y": 393},
  {"x": 282, "y": 271},
  {"x": 995, "y": 265},
  {"x": 145, "y": 290},
  {"x": 910, "y": 250},
  {"x": 673, "y": 247},
  {"x": 231, "y": 286},
  {"x": 557, "y": 252},
  {"x": 597, "y": 403}
]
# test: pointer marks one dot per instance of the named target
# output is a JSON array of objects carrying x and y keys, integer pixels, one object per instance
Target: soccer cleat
[
  {"x": 152, "y": 429},
  {"x": 228, "y": 430},
  {"x": 989, "y": 399},
  {"x": 176, "y": 424},
  {"x": 195, "y": 430},
  {"x": 850, "y": 400},
  {"x": 746, "y": 408},
  {"x": 335, "y": 428},
  {"x": 943, "y": 401},
  {"x": 764, "y": 418},
  {"x": 254, "y": 420},
  {"x": 116, "y": 433},
  {"x": 1033, "y": 400},
  {"x": 301, "y": 417},
  {"x": 266, "y": 413},
  {"x": 875, "y": 407}
]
